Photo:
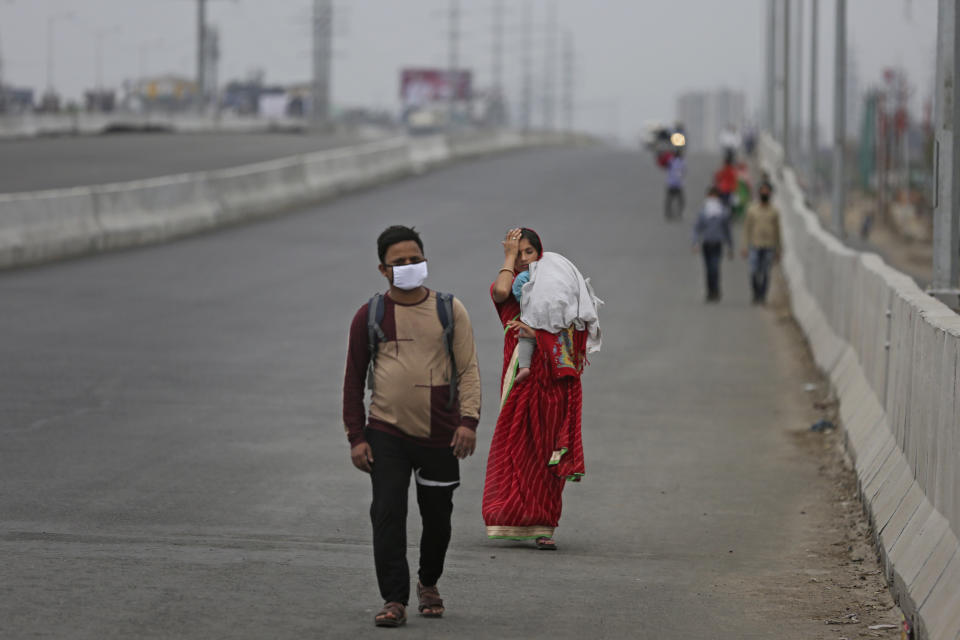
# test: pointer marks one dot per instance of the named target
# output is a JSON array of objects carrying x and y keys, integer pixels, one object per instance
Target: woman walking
[{"x": 536, "y": 446}]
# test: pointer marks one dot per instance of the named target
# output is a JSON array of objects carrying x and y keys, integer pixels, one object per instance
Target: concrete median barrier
[
  {"x": 893, "y": 357},
  {"x": 147, "y": 211},
  {"x": 33, "y": 125},
  {"x": 42, "y": 226},
  {"x": 427, "y": 152}
]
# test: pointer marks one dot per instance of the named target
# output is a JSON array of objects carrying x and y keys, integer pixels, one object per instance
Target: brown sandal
[
  {"x": 395, "y": 609},
  {"x": 431, "y": 604}
]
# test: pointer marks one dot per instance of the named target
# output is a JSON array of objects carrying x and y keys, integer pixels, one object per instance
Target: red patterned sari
[{"x": 536, "y": 446}]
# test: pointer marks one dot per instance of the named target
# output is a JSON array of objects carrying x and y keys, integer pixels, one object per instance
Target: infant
[{"x": 553, "y": 295}]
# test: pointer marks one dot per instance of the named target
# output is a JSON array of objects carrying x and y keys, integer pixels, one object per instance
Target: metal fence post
[{"x": 946, "y": 186}]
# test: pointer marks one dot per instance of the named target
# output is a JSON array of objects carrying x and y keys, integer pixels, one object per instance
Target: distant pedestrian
[
  {"x": 750, "y": 141},
  {"x": 761, "y": 241},
  {"x": 417, "y": 347},
  {"x": 726, "y": 180},
  {"x": 676, "y": 170},
  {"x": 729, "y": 140},
  {"x": 711, "y": 232},
  {"x": 743, "y": 194}
]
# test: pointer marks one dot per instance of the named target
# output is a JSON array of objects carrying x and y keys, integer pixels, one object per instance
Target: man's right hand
[{"x": 362, "y": 456}]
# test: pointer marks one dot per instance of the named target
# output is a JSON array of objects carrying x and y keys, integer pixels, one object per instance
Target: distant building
[
  {"x": 15, "y": 100},
  {"x": 166, "y": 92},
  {"x": 704, "y": 114}
]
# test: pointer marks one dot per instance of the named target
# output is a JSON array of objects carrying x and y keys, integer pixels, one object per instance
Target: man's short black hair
[{"x": 394, "y": 234}]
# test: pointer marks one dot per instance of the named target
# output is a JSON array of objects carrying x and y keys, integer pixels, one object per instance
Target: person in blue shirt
[
  {"x": 676, "y": 168},
  {"x": 711, "y": 233}
]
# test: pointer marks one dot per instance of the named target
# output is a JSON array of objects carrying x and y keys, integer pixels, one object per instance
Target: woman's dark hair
[
  {"x": 531, "y": 236},
  {"x": 393, "y": 235}
]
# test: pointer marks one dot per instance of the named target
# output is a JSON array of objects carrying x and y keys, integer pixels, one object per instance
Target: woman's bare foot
[
  {"x": 523, "y": 373},
  {"x": 546, "y": 543}
]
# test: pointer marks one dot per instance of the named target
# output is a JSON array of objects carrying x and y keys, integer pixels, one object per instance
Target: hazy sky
[{"x": 633, "y": 56}]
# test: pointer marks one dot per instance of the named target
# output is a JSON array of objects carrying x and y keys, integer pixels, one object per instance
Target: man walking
[
  {"x": 725, "y": 180},
  {"x": 711, "y": 232},
  {"x": 676, "y": 168},
  {"x": 761, "y": 241},
  {"x": 424, "y": 408}
]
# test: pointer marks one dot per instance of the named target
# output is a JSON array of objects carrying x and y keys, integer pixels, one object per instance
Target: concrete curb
[
  {"x": 892, "y": 354},
  {"x": 89, "y": 124},
  {"x": 49, "y": 225}
]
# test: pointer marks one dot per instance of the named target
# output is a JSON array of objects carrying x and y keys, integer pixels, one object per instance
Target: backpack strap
[
  {"x": 445, "y": 312},
  {"x": 375, "y": 312},
  {"x": 375, "y": 335}
]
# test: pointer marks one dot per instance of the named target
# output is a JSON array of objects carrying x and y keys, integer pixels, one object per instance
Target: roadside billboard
[{"x": 423, "y": 86}]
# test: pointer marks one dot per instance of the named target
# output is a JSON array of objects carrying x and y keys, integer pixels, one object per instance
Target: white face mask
[{"x": 410, "y": 276}]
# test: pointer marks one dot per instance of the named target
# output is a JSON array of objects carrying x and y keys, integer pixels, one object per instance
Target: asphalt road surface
[
  {"x": 70, "y": 161},
  {"x": 173, "y": 464}
]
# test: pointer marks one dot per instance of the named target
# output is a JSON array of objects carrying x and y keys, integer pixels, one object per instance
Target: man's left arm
[
  {"x": 778, "y": 247},
  {"x": 468, "y": 381}
]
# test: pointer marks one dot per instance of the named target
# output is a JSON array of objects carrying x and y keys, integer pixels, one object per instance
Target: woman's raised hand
[{"x": 511, "y": 244}]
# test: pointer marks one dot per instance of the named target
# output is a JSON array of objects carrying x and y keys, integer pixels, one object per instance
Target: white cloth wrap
[{"x": 558, "y": 296}]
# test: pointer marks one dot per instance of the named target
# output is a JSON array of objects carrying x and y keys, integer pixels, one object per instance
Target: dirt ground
[
  {"x": 913, "y": 257},
  {"x": 839, "y": 580}
]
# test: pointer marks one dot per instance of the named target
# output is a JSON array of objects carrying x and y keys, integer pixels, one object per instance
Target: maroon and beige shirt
[{"x": 411, "y": 378}]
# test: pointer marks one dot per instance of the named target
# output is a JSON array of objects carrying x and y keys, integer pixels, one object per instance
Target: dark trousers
[
  {"x": 437, "y": 474},
  {"x": 761, "y": 259},
  {"x": 674, "y": 203},
  {"x": 712, "y": 255}
]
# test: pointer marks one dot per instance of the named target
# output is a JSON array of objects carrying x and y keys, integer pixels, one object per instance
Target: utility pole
[
  {"x": 839, "y": 117},
  {"x": 202, "y": 54},
  {"x": 549, "y": 66},
  {"x": 3, "y": 91},
  {"x": 946, "y": 186},
  {"x": 496, "y": 66},
  {"x": 771, "y": 112},
  {"x": 814, "y": 142},
  {"x": 51, "y": 25},
  {"x": 526, "y": 85},
  {"x": 786, "y": 81},
  {"x": 454, "y": 54},
  {"x": 322, "y": 63},
  {"x": 569, "y": 81},
  {"x": 797, "y": 140}
]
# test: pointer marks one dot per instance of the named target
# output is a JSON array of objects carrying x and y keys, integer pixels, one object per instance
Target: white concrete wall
[
  {"x": 893, "y": 355},
  {"x": 61, "y": 223},
  {"x": 31, "y": 125}
]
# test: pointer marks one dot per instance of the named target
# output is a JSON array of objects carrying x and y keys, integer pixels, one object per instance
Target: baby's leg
[{"x": 525, "y": 349}]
